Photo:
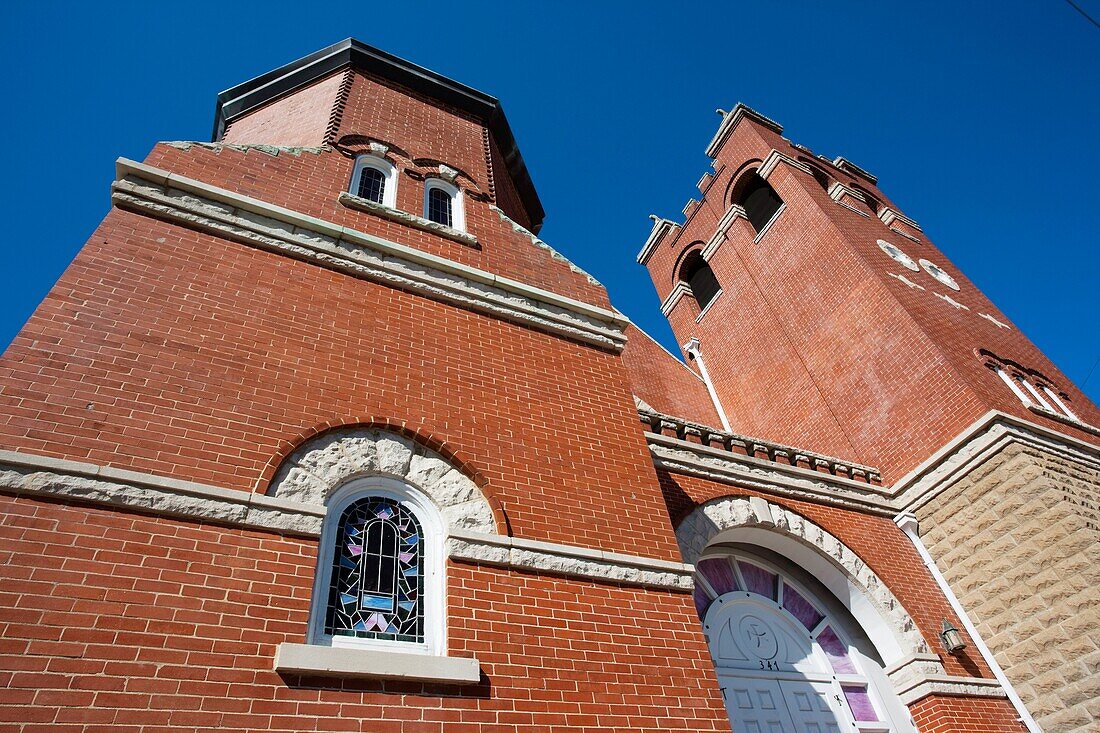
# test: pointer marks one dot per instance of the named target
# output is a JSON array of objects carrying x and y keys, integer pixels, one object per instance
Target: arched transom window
[{"x": 783, "y": 661}]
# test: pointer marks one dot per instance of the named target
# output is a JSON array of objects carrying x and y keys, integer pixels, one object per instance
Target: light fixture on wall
[{"x": 952, "y": 639}]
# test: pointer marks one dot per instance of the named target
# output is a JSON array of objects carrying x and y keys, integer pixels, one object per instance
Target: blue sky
[{"x": 979, "y": 118}]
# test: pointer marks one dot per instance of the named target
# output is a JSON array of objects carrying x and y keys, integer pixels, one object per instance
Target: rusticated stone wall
[{"x": 1019, "y": 541}]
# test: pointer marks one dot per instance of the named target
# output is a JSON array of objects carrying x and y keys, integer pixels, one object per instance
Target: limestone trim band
[
  {"x": 164, "y": 195},
  {"x": 949, "y": 685},
  {"x": 986, "y": 437},
  {"x": 43, "y": 477},
  {"x": 570, "y": 560},
  {"x": 678, "y": 456},
  {"x": 327, "y": 661}
]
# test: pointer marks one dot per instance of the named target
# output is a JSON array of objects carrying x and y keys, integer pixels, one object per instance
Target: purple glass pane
[
  {"x": 702, "y": 601},
  {"x": 836, "y": 651},
  {"x": 719, "y": 574},
  {"x": 800, "y": 608},
  {"x": 860, "y": 703},
  {"x": 758, "y": 580}
]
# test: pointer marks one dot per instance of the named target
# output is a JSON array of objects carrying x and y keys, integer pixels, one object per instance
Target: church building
[{"x": 317, "y": 434}]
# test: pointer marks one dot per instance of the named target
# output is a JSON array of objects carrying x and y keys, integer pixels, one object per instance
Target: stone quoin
[{"x": 316, "y": 433}]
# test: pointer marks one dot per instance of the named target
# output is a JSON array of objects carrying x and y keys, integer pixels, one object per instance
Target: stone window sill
[
  {"x": 766, "y": 227},
  {"x": 709, "y": 306},
  {"x": 327, "y": 661},
  {"x": 403, "y": 217}
]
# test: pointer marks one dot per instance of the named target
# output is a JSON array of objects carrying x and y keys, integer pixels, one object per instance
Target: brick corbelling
[
  {"x": 671, "y": 426},
  {"x": 144, "y": 621},
  {"x": 338, "y": 105}
]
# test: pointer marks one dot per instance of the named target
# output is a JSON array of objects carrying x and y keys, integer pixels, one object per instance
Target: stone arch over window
[
  {"x": 315, "y": 470},
  {"x": 756, "y": 522}
]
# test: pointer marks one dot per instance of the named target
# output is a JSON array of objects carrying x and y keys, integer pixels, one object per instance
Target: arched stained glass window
[
  {"x": 372, "y": 185},
  {"x": 439, "y": 206},
  {"x": 377, "y": 582}
]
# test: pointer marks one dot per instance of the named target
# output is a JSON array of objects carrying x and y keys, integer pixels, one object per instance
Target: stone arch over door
[
  {"x": 324, "y": 463},
  {"x": 755, "y": 521}
]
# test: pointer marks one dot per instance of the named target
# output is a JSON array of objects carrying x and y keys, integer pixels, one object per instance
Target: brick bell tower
[{"x": 824, "y": 317}]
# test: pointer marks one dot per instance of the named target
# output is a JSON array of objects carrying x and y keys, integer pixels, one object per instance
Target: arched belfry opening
[
  {"x": 759, "y": 199},
  {"x": 698, "y": 276}
]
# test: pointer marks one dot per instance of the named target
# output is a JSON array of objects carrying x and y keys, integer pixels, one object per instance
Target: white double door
[{"x": 760, "y": 705}]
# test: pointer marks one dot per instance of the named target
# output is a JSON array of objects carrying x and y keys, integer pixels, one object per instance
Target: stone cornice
[
  {"x": 785, "y": 470},
  {"x": 775, "y": 158},
  {"x": 411, "y": 220},
  {"x": 43, "y": 477},
  {"x": 732, "y": 119},
  {"x": 678, "y": 291},
  {"x": 685, "y": 457},
  {"x": 661, "y": 229},
  {"x": 850, "y": 167},
  {"x": 163, "y": 195},
  {"x": 985, "y": 438},
  {"x": 889, "y": 216}
]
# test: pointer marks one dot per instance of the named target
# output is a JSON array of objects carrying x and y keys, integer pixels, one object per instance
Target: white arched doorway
[{"x": 784, "y": 653}]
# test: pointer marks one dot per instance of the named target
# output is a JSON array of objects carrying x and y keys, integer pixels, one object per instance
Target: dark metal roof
[{"x": 245, "y": 97}]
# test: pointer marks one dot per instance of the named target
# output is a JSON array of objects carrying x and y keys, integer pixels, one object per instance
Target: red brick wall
[
  {"x": 813, "y": 343},
  {"x": 166, "y": 350},
  {"x": 297, "y": 120},
  {"x": 943, "y": 714},
  {"x": 666, "y": 384},
  {"x": 116, "y": 621}
]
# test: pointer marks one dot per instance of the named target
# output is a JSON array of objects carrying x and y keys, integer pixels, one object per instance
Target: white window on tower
[
  {"x": 374, "y": 179},
  {"x": 443, "y": 204}
]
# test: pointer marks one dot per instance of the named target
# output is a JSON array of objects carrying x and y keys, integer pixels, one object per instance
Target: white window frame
[
  {"x": 1058, "y": 400},
  {"x": 1012, "y": 385},
  {"x": 383, "y": 166},
  {"x": 458, "y": 210},
  {"x": 435, "y": 631}
]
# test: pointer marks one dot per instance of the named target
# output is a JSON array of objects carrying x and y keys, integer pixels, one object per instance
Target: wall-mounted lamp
[{"x": 952, "y": 639}]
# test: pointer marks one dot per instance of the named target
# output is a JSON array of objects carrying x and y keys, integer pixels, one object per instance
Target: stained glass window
[
  {"x": 372, "y": 184},
  {"x": 439, "y": 206},
  {"x": 377, "y": 585}
]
